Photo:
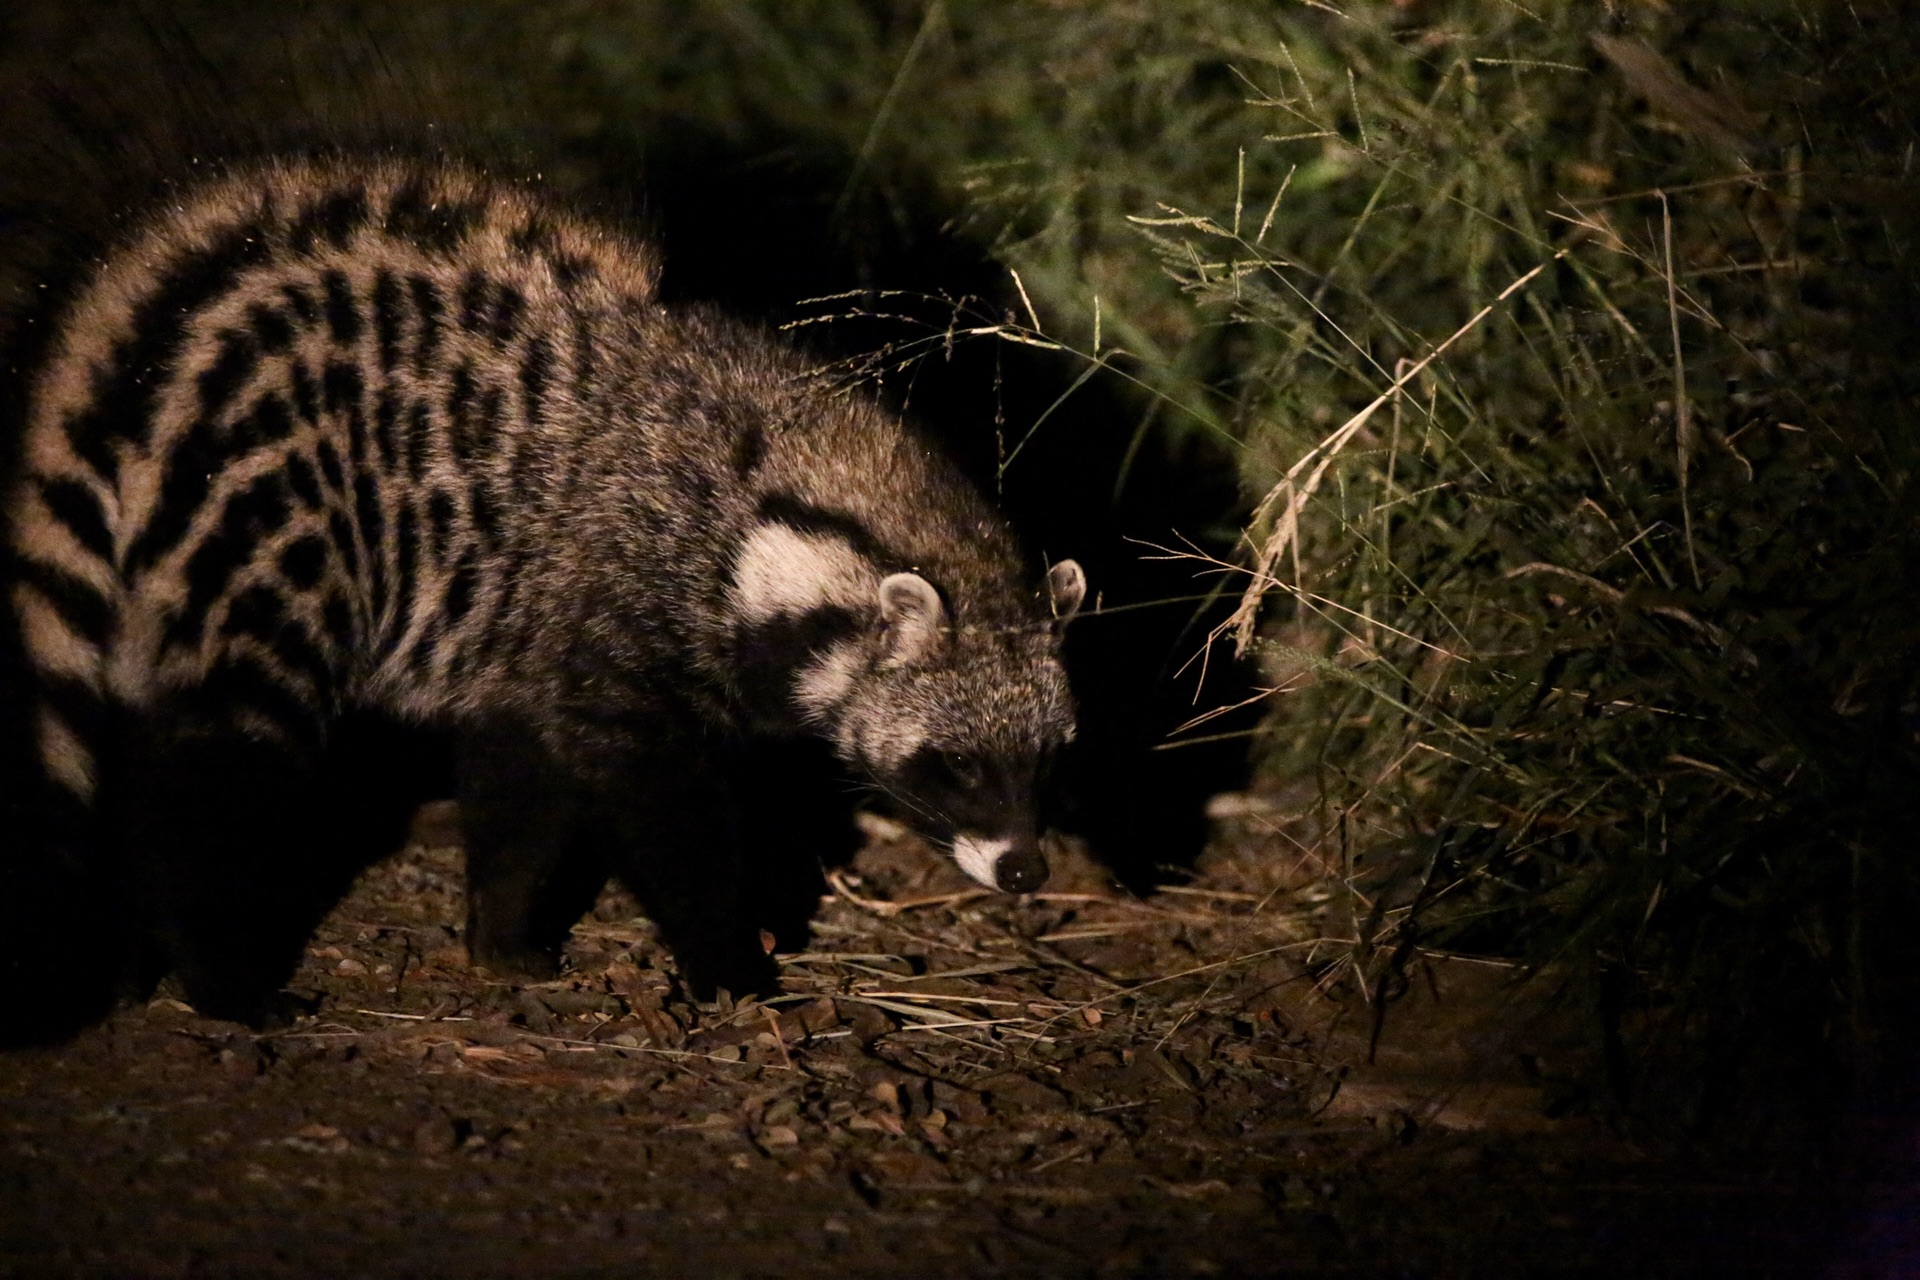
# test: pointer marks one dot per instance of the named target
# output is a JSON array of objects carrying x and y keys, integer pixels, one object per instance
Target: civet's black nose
[{"x": 1020, "y": 870}]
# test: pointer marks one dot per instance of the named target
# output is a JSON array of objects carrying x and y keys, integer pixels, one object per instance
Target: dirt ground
[{"x": 952, "y": 1083}]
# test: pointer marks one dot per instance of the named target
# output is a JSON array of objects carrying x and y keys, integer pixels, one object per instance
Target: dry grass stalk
[{"x": 1284, "y": 538}]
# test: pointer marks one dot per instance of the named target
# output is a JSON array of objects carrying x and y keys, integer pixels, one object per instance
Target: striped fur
[{"x": 331, "y": 437}]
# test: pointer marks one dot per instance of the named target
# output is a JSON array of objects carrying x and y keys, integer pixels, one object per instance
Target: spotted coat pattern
[{"x": 334, "y": 435}]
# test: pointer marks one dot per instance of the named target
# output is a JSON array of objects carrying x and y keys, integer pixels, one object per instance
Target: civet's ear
[
  {"x": 1066, "y": 588},
  {"x": 911, "y": 608}
]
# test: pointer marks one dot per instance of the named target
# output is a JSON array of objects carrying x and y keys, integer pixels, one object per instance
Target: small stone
[
  {"x": 778, "y": 1136},
  {"x": 435, "y": 1136},
  {"x": 877, "y": 1122},
  {"x": 819, "y": 1015},
  {"x": 868, "y": 1023},
  {"x": 959, "y": 1104},
  {"x": 878, "y": 828}
]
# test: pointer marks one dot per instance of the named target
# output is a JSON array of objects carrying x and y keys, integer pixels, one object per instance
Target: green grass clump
[
  {"x": 1598, "y": 635},
  {"x": 1599, "y": 632},
  {"x": 1596, "y": 631}
]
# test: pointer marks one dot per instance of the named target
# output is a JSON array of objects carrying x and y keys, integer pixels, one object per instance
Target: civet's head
[{"x": 958, "y": 722}]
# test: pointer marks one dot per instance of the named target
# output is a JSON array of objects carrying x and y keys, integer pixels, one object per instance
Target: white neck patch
[
  {"x": 781, "y": 571},
  {"x": 978, "y": 856},
  {"x": 828, "y": 679}
]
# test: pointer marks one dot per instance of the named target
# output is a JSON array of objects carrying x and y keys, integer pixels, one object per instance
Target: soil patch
[{"x": 951, "y": 1083}]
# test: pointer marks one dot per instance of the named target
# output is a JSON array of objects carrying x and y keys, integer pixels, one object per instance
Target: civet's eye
[{"x": 964, "y": 770}]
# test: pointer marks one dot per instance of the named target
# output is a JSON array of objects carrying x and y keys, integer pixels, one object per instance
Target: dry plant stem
[
  {"x": 1296, "y": 492},
  {"x": 929, "y": 22},
  {"x": 780, "y": 1041},
  {"x": 1682, "y": 413},
  {"x": 880, "y": 907}
]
